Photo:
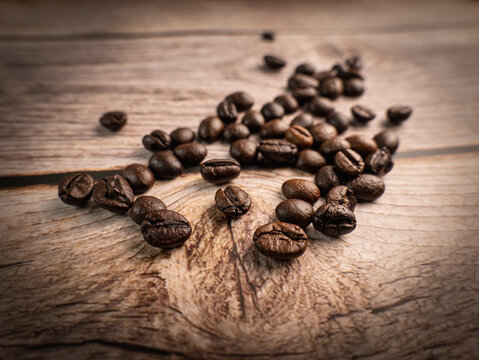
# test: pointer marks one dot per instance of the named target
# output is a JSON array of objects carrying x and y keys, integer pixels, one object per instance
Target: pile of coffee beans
[{"x": 347, "y": 170}]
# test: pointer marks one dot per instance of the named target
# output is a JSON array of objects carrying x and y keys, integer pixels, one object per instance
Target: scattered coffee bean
[
  {"x": 140, "y": 177},
  {"x": 367, "y": 187},
  {"x": 398, "y": 114},
  {"x": 242, "y": 100},
  {"x": 301, "y": 189},
  {"x": 210, "y": 129},
  {"x": 387, "y": 139},
  {"x": 326, "y": 178},
  {"x": 349, "y": 162},
  {"x": 305, "y": 120},
  {"x": 182, "y": 135},
  {"x": 341, "y": 195},
  {"x": 295, "y": 211},
  {"x": 339, "y": 120},
  {"x": 362, "y": 144},
  {"x": 191, "y": 153},
  {"x": 227, "y": 112},
  {"x": 299, "y": 136},
  {"x": 332, "y": 146},
  {"x": 113, "y": 120},
  {"x": 235, "y": 131},
  {"x": 274, "y": 62},
  {"x": 362, "y": 114},
  {"x": 301, "y": 81},
  {"x": 220, "y": 171},
  {"x": 305, "y": 68},
  {"x": 288, "y": 102},
  {"x": 232, "y": 201},
  {"x": 165, "y": 229},
  {"x": 323, "y": 132},
  {"x": 351, "y": 74},
  {"x": 310, "y": 160},
  {"x": 379, "y": 162},
  {"x": 158, "y": 140},
  {"x": 320, "y": 106},
  {"x": 305, "y": 95},
  {"x": 338, "y": 69},
  {"x": 323, "y": 75},
  {"x": 144, "y": 205},
  {"x": 354, "y": 63},
  {"x": 334, "y": 220},
  {"x": 331, "y": 88},
  {"x": 75, "y": 189},
  {"x": 280, "y": 240},
  {"x": 272, "y": 111},
  {"x": 278, "y": 150},
  {"x": 165, "y": 165},
  {"x": 274, "y": 129},
  {"x": 254, "y": 120},
  {"x": 268, "y": 35},
  {"x": 245, "y": 151},
  {"x": 113, "y": 193},
  {"x": 353, "y": 87}
]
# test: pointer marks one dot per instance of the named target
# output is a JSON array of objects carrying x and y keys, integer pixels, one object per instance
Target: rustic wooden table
[{"x": 81, "y": 283}]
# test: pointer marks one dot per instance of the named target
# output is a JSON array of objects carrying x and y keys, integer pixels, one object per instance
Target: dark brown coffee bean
[
  {"x": 278, "y": 150},
  {"x": 301, "y": 81},
  {"x": 379, "y": 162},
  {"x": 75, "y": 189},
  {"x": 245, "y": 151},
  {"x": 268, "y": 35},
  {"x": 351, "y": 74},
  {"x": 305, "y": 68},
  {"x": 242, "y": 100},
  {"x": 398, "y": 114},
  {"x": 274, "y": 129},
  {"x": 299, "y": 136},
  {"x": 191, "y": 153},
  {"x": 158, "y": 140},
  {"x": 310, "y": 161},
  {"x": 362, "y": 114},
  {"x": 210, "y": 129},
  {"x": 144, "y": 205},
  {"x": 367, "y": 187},
  {"x": 220, "y": 171},
  {"x": 235, "y": 132},
  {"x": 165, "y": 165},
  {"x": 349, "y": 162},
  {"x": 323, "y": 75},
  {"x": 353, "y": 87},
  {"x": 362, "y": 144},
  {"x": 113, "y": 120},
  {"x": 182, "y": 135},
  {"x": 338, "y": 69},
  {"x": 387, "y": 139},
  {"x": 301, "y": 189},
  {"x": 140, "y": 177},
  {"x": 320, "y": 106},
  {"x": 113, "y": 193},
  {"x": 272, "y": 111},
  {"x": 332, "y": 146},
  {"x": 326, "y": 178},
  {"x": 354, "y": 63},
  {"x": 339, "y": 120},
  {"x": 165, "y": 229},
  {"x": 280, "y": 240},
  {"x": 323, "y": 132},
  {"x": 331, "y": 88},
  {"x": 341, "y": 195},
  {"x": 295, "y": 211},
  {"x": 232, "y": 201},
  {"x": 254, "y": 120},
  {"x": 304, "y": 120},
  {"x": 227, "y": 112},
  {"x": 274, "y": 62},
  {"x": 334, "y": 220},
  {"x": 288, "y": 102},
  {"x": 305, "y": 95}
]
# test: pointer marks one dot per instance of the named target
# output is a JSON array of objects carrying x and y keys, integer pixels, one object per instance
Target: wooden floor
[{"x": 81, "y": 283}]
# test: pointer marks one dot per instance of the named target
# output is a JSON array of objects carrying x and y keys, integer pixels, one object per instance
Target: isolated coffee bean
[
  {"x": 332, "y": 146},
  {"x": 301, "y": 81},
  {"x": 157, "y": 140},
  {"x": 210, "y": 129},
  {"x": 299, "y": 136},
  {"x": 334, "y": 220},
  {"x": 305, "y": 68},
  {"x": 226, "y": 111},
  {"x": 339, "y": 120},
  {"x": 349, "y": 162},
  {"x": 301, "y": 189},
  {"x": 245, "y": 151},
  {"x": 220, "y": 171},
  {"x": 242, "y": 100},
  {"x": 254, "y": 120},
  {"x": 362, "y": 114},
  {"x": 232, "y": 201},
  {"x": 268, "y": 35},
  {"x": 278, "y": 150},
  {"x": 398, "y": 114},
  {"x": 280, "y": 240},
  {"x": 362, "y": 144},
  {"x": 387, "y": 139},
  {"x": 295, "y": 211},
  {"x": 165, "y": 165},
  {"x": 144, "y": 205},
  {"x": 354, "y": 63},
  {"x": 379, "y": 162},
  {"x": 323, "y": 132},
  {"x": 75, "y": 189},
  {"x": 305, "y": 120},
  {"x": 182, "y": 135},
  {"x": 274, "y": 62},
  {"x": 331, "y": 88},
  {"x": 271, "y": 111},
  {"x": 274, "y": 129},
  {"x": 320, "y": 106},
  {"x": 326, "y": 178},
  {"x": 114, "y": 120},
  {"x": 353, "y": 87},
  {"x": 305, "y": 95},
  {"x": 310, "y": 160},
  {"x": 367, "y": 187},
  {"x": 341, "y": 195},
  {"x": 191, "y": 153},
  {"x": 165, "y": 229},
  {"x": 140, "y": 177},
  {"x": 288, "y": 102},
  {"x": 235, "y": 132},
  {"x": 113, "y": 193}
]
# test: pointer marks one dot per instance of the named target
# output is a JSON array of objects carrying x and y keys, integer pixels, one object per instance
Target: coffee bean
[
  {"x": 323, "y": 75},
  {"x": 272, "y": 111},
  {"x": 362, "y": 144},
  {"x": 323, "y": 132},
  {"x": 227, "y": 112},
  {"x": 280, "y": 240},
  {"x": 367, "y": 187},
  {"x": 349, "y": 162},
  {"x": 332, "y": 146},
  {"x": 278, "y": 150},
  {"x": 242, "y": 100},
  {"x": 334, "y": 220},
  {"x": 387, "y": 139},
  {"x": 305, "y": 68},
  {"x": 299, "y": 136},
  {"x": 235, "y": 132},
  {"x": 165, "y": 229},
  {"x": 351, "y": 74},
  {"x": 295, "y": 211},
  {"x": 140, "y": 177},
  {"x": 362, "y": 114},
  {"x": 304, "y": 120},
  {"x": 75, "y": 189},
  {"x": 331, "y": 88},
  {"x": 274, "y": 129},
  {"x": 310, "y": 160},
  {"x": 338, "y": 69},
  {"x": 379, "y": 162},
  {"x": 339, "y": 120},
  {"x": 220, "y": 171},
  {"x": 305, "y": 95},
  {"x": 354, "y": 63},
  {"x": 191, "y": 153},
  {"x": 288, "y": 102},
  {"x": 398, "y": 114},
  {"x": 268, "y": 35},
  {"x": 353, "y": 87},
  {"x": 326, "y": 178},
  {"x": 301, "y": 81},
  {"x": 320, "y": 106},
  {"x": 182, "y": 135},
  {"x": 245, "y": 151},
  {"x": 301, "y": 189},
  {"x": 254, "y": 120},
  {"x": 144, "y": 205},
  {"x": 274, "y": 62},
  {"x": 341, "y": 195},
  {"x": 232, "y": 201},
  {"x": 158, "y": 140},
  {"x": 165, "y": 165},
  {"x": 113, "y": 120},
  {"x": 210, "y": 129},
  {"x": 113, "y": 193}
]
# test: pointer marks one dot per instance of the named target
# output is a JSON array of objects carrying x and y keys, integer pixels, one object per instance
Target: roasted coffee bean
[
  {"x": 379, "y": 162},
  {"x": 272, "y": 111},
  {"x": 278, "y": 150},
  {"x": 387, "y": 139},
  {"x": 274, "y": 129},
  {"x": 113, "y": 120},
  {"x": 301, "y": 81},
  {"x": 113, "y": 193},
  {"x": 232, "y": 201},
  {"x": 305, "y": 95},
  {"x": 310, "y": 160},
  {"x": 144, "y": 205},
  {"x": 288, "y": 102},
  {"x": 210, "y": 129},
  {"x": 165, "y": 229},
  {"x": 326, "y": 178},
  {"x": 323, "y": 132},
  {"x": 305, "y": 68},
  {"x": 191, "y": 153},
  {"x": 354, "y": 63},
  {"x": 334, "y": 220},
  {"x": 353, "y": 87},
  {"x": 158, "y": 140},
  {"x": 295, "y": 211},
  {"x": 349, "y": 162},
  {"x": 75, "y": 189},
  {"x": 301, "y": 189},
  {"x": 242, "y": 100},
  {"x": 362, "y": 114},
  {"x": 320, "y": 106},
  {"x": 274, "y": 62},
  {"x": 268, "y": 35},
  {"x": 280, "y": 240},
  {"x": 338, "y": 69},
  {"x": 254, "y": 120},
  {"x": 165, "y": 165},
  {"x": 140, "y": 177},
  {"x": 341, "y": 195},
  {"x": 362, "y": 144},
  {"x": 367, "y": 187},
  {"x": 245, "y": 151},
  {"x": 351, "y": 74},
  {"x": 182, "y": 135},
  {"x": 235, "y": 132},
  {"x": 332, "y": 146},
  {"x": 398, "y": 114},
  {"x": 323, "y": 75},
  {"x": 304, "y": 120},
  {"x": 339, "y": 120},
  {"x": 299, "y": 136},
  {"x": 227, "y": 112},
  {"x": 331, "y": 88},
  {"x": 220, "y": 171}
]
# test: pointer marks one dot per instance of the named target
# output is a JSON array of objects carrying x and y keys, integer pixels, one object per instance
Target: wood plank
[{"x": 81, "y": 282}]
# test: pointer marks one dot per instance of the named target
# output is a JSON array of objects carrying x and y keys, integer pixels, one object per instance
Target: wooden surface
[{"x": 81, "y": 283}]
